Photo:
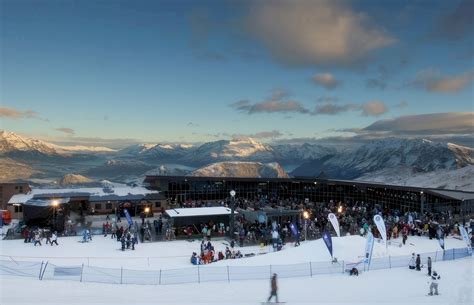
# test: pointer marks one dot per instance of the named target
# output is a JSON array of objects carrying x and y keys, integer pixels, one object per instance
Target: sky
[{"x": 116, "y": 72}]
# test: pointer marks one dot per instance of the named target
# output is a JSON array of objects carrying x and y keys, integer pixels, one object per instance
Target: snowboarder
[
  {"x": 434, "y": 283},
  {"x": 411, "y": 265},
  {"x": 274, "y": 288},
  {"x": 418, "y": 262},
  {"x": 429, "y": 266},
  {"x": 54, "y": 238}
]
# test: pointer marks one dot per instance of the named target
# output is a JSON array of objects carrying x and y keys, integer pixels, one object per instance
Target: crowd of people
[{"x": 36, "y": 235}]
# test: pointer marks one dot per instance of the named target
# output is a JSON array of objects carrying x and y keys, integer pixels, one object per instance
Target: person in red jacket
[{"x": 26, "y": 235}]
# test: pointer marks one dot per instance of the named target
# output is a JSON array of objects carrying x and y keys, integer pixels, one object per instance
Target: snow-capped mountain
[
  {"x": 155, "y": 152},
  {"x": 230, "y": 150},
  {"x": 241, "y": 169},
  {"x": 11, "y": 143},
  {"x": 457, "y": 179},
  {"x": 69, "y": 179},
  {"x": 294, "y": 154},
  {"x": 420, "y": 154}
]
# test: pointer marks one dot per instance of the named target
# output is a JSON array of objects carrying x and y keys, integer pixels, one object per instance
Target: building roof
[
  {"x": 191, "y": 212},
  {"x": 46, "y": 202},
  {"x": 117, "y": 192},
  {"x": 458, "y": 195}
]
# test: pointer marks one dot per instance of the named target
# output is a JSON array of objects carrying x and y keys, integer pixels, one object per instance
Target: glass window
[{"x": 108, "y": 206}]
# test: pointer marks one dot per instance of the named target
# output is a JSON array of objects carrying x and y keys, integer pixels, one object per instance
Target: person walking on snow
[
  {"x": 54, "y": 238},
  {"x": 418, "y": 262},
  {"x": 434, "y": 283},
  {"x": 274, "y": 288}
]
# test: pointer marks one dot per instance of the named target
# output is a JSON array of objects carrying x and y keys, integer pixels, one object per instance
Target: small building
[
  {"x": 7, "y": 190},
  {"x": 195, "y": 216}
]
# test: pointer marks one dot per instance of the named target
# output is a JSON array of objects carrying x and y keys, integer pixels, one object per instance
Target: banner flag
[
  {"x": 440, "y": 236},
  {"x": 294, "y": 229},
  {"x": 381, "y": 227},
  {"x": 335, "y": 223},
  {"x": 127, "y": 215},
  {"x": 466, "y": 238},
  {"x": 328, "y": 241},
  {"x": 369, "y": 247}
]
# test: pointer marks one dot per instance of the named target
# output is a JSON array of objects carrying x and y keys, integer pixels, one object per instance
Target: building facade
[{"x": 181, "y": 188}]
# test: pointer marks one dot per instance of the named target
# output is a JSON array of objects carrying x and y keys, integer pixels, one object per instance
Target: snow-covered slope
[
  {"x": 242, "y": 169},
  {"x": 458, "y": 179},
  {"x": 11, "y": 142},
  {"x": 420, "y": 154},
  {"x": 155, "y": 151}
]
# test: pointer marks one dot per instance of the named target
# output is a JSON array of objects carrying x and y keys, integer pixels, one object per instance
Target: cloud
[
  {"x": 321, "y": 33},
  {"x": 456, "y": 24},
  {"x": 14, "y": 114},
  {"x": 426, "y": 124},
  {"x": 66, "y": 130},
  {"x": 191, "y": 124},
  {"x": 333, "y": 109},
  {"x": 431, "y": 80},
  {"x": 373, "y": 108},
  {"x": 326, "y": 80},
  {"x": 267, "y": 134},
  {"x": 277, "y": 103}
]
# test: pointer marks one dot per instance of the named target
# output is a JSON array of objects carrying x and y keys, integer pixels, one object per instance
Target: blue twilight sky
[{"x": 117, "y": 72}]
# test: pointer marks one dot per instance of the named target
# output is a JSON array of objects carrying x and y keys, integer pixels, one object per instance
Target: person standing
[
  {"x": 418, "y": 262},
  {"x": 429, "y": 266},
  {"x": 411, "y": 265},
  {"x": 274, "y": 288},
  {"x": 434, "y": 283},
  {"x": 54, "y": 238}
]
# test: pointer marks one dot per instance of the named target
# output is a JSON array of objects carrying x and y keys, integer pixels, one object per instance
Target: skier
[
  {"x": 429, "y": 266},
  {"x": 434, "y": 283},
  {"x": 411, "y": 265},
  {"x": 122, "y": 240},
  {"x": 54, "y": 238},
  {"x": 274, "y": 287},
  {"x": 418, "y": 262}
]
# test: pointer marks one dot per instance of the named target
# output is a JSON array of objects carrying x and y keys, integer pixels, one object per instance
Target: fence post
[
  {"x": 343, "y": 265},
  {"x": 44, "y": 270},
  {"x": 82, "y": 271},
  {"x": 228, "y": 276},
  {"x": 199, "y": 276},
  {"x": 453, "y": 254},
  {"x": 310, "y": 269},
  {"x": 436, "y": 255},
  {"x": 121, "y": 275},
  {"x": 390, "y": 261},
  {"x": 41, "y": 269},
  {"x": 159, "y": 281},
  {"x": 270, "y": 271}
]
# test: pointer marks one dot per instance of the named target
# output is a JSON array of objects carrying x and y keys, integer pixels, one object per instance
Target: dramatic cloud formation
[
  {"x": 427, "y": 124},
  {"x": 432, "y": 81},
  {"x": 458, "y": 23},
  {"x": 326, "y": 80},
  {"x": 66, "y": 130},
  {"x": 14, "y": 114},
  {"x": 322, "y": 33}
]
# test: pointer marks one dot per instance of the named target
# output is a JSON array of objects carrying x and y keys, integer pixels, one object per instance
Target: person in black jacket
[
  {"x": 418, "y": 262},
  {"x": 429, "y": 266}
]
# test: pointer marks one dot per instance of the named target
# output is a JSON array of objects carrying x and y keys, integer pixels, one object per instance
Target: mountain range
[{"x": 38, "y": 159}]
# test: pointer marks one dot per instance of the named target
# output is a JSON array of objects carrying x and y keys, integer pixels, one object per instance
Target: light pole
[{"x": 232, "y": 210}]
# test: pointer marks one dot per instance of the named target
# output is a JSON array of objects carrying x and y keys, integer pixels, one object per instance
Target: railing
[{"x": 206, "y": 273}]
